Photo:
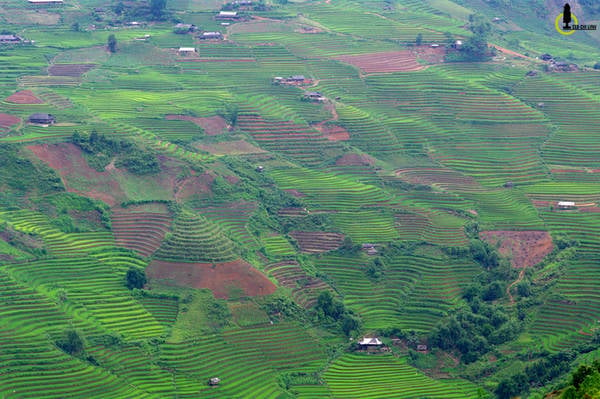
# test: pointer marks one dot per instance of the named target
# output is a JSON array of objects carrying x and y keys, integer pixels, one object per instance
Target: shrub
[{"x": 135, "y": 278}]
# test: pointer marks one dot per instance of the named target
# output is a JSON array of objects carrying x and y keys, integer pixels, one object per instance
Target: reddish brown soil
[
  {"x": 355, "y": 160},
  {"x": 68, "y": 161},
  {"x": 138, "y": 230},
  {"x": 430, "y": 54},
  {"x": 317, "y": 241},
  {"x": 24, "y": 97},
  {"x": 194, "y": 185},
  {"x": 212, "y": 126},
  {"x": 234, "y": 147},
  {"x": 7, "y": 120},
  {"x": 220, "y": 278},
  {"x": 74, "y": 70},
  {"x": 305, "y": 288},
  {"x": 335, "y": 133},
  {"x": 390, "y": 61},
  {"x": 526, "y": 248}
]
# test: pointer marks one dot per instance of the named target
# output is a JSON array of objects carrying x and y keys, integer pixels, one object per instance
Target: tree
[
  {"x": 476, "y": 47},
  {"x": 71, "y": 342},
  {"x": 157, "y": 8},
  {"x": 419, "y": 39},
  {"x": 597, "y": 65},
  {"x": 135, "y": 278},
  {"x": 112, "y": 43},
  {"x": 76, "y": 27}
]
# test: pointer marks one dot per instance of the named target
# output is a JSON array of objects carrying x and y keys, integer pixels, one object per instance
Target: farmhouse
[
  {"x": 214, "y": 381},
  {"x": 186, "y": 50},
  {"x": 45, "y": 1},
  {"x": 421, "y": 348},
  {"x": 314, "y": 96},
  {"x": 369, "y": 249},
  {"x": 370, "y": 343},
  {"x": 566, "y": 205},
  {"x": 42, "y": 119},
  {"x": 10, "y": 39},
  {"x": 211, "y": 35},
  {"x": 229, "y": 15}
]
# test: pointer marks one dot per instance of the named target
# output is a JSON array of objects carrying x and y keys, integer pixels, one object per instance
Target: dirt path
[
  {"x": 510, "y": 52},
  {"x": 517, "y": 281}
]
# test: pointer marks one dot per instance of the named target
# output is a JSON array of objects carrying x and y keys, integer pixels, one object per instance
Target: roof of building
[
  {"x": 180, "y": 25},
  {"x": 187, "y": 49},
  {"x": 566, "y": 203},
  {"x": 298, "y": 77},
  {"x": 370, "y": 341},
  {"x": 45, "y": 1},
  {"x": 9, "y": 38},
  {"x": 40, "y": 116},
  {"x": 211, "y": 33},
  {"x": 228, "y": 13}
]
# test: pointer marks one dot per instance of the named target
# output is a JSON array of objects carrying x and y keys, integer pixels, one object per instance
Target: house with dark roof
[
  {"x": 42, "y": 119},
  {"x": 10, "y": 39},
  {"x": 211, "y": 36}
]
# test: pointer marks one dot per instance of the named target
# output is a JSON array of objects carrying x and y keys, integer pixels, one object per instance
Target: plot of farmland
[
  {"x": 393, "y": 61},
  {"x": 525, "y": 248},
  {"x": 222, "y": 279}
]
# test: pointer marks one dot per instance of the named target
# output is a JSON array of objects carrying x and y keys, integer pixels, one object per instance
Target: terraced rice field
[
  {"x": 140, "y": 231},
  {"x": 362, "y": 376}
]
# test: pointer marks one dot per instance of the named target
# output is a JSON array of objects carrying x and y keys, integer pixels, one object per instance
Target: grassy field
[{"x": 372, "y": 198}]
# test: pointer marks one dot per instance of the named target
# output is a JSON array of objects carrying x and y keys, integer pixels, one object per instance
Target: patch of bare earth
[
  {"x": 305, "y": 288},
  {"x": 390, "y": 61},
  {"x": 74, "y": 70},
  {"x": 212, "y": 126},
  {"x": 335, "y": 133},
  {"x": 355, "y": 160},
  {"x": 526, "y": 248},
  {"x": 317, "y": 241},
  {"x": 220, "y": 278},
  {"x": 194, "y": 185},
  {"x": 7, "y": 120},
  {"x": 235, "y": 147},
  {"x": 140, "y": 230},
  {"x": 68, "y": 161},
  {"x": 24, "y": 97}
]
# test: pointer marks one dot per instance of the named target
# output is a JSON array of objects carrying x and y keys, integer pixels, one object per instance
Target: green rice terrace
[{"x": 299, "y": 199}]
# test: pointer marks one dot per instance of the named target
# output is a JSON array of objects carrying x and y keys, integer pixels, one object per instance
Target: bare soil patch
[
  {"x": 235, "y": 147},
  {"x": 74, "y": 70},
  {"x": 430, "y": 54},
  {"x": 220, "y": 278},
  {"x": 317, "y": 241},
  {"x": 194, "y": 185},
  {"x": 212, "y": 126},
  {"x": 24, "y": 97},
  {"x": 335, "y": 133},
  {"x": 355, "y": 160},
  {"x": 68, "y": 161},
  {"x": 390, "y": 61},
  {"x": 7, "y": 120},
  {"x": 526, "y": 248}
]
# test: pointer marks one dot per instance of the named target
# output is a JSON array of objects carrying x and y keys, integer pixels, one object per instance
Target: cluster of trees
[
  {"x": 135, "y": 278},
  {"x": 331, "y": 310},
  {"x": 71, "y": 342},
  {"x": 536, "y": 374},
  {"x": 103, "y": 149},
  {"x": 478, "y": 327},
  {"x": 474, "y": 330},
  {"x": 155, "y": 9},
  {"x": 585, "y": 382}
]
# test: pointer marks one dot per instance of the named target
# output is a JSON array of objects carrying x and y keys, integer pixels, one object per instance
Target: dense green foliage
[{"x": 135, "y": 278}]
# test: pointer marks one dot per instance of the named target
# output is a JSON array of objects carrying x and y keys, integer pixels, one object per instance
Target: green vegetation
[{"x": 371, "y": 214}]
